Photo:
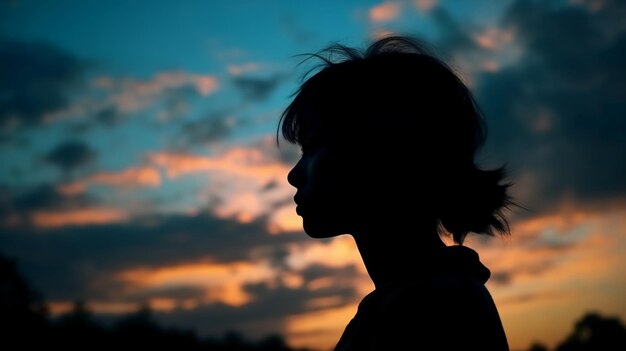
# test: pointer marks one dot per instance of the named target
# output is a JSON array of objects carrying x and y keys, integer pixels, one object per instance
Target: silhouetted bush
[
  {"x": 25, "y": 324},
  {"x": 594, "y": 332}
]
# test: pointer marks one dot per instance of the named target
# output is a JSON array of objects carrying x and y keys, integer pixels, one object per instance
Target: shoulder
[
  {"x": 431, "y": 311},
  {"x": 435, "y": 293}
]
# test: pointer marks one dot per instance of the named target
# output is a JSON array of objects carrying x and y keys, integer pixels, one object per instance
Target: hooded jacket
[{"x": 447, "y": 309}]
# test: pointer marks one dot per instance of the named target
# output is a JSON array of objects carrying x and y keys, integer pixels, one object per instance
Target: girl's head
[{"x": 390, "y": 134}]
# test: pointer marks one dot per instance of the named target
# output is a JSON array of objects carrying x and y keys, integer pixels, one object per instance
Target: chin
[{"x": 317, "y": 231}]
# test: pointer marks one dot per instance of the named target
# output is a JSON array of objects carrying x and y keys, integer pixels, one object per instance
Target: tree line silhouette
[{"x": 25, "y": 323}]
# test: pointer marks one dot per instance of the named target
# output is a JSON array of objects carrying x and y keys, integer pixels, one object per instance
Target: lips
[{"x": 298, "y": 200}]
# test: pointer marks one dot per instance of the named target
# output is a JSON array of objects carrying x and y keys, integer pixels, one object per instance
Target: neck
[{"x": 392, "y": 255}]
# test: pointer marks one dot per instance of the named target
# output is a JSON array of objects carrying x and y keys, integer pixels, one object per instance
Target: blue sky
[{"x": 139, "y": 159}]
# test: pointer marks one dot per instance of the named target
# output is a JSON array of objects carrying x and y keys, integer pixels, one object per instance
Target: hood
[{"x": 462, "y": 260}]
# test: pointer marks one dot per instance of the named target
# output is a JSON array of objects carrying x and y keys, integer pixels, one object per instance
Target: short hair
[{"x": 398, "y": 97}]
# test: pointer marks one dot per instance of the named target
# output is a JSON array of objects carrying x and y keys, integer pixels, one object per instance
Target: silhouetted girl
[{"x": 388, "y": 138}]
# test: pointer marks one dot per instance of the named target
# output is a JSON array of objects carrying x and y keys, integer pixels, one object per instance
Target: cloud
[
  {"x": 424, "y": 5},
  {"x": 223, "y": 282},
  {"x": 130, "y": 178},
  {"x": 40, "y": 78},
  {"x": 264, "y": 315},
  {"x": 453, "y": 38},
  {"x": 238, "y": 178},
  {"x": 77, "y": 217},
  {"x": 269, "y": 310},
  {"x": 256, "y": 88},
  {"x": 127, "y": 95},
  {"x": 247, "y": 162},
  {"x": 340, "y": 252},
  {"x": 547, "y": 252},
  {"x": 70, "y": 155},
  {"x": 555, "y": 116},
  {"x": 109, "y": 100},
  {"x": 49, "y": 206},
  {"x": 386, "y": 11},
  {"x": 44, "y": 196},
  {"x": 213, "y": 127},
  {"x": 198, "y": 271},
  {"x": 137, "y": 243}
]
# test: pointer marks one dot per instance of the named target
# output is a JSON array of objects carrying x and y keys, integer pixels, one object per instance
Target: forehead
[{"x": 310, "y": 120}]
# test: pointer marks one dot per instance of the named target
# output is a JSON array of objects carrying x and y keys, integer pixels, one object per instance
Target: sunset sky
[{"x": 140, "y": 164}]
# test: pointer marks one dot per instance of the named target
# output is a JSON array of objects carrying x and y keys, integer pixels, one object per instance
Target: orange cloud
[
  {"x": 248, "y": 181},
  {"x": 60, "y": 307},
  {"x": 132, "y": 177},
  {"x": 339, "y": 252},
  {"x": 320, "y": 329},
  {"x": 385, "y": 12},
  {"x": 57, "y": 308},
  {"x": 130, "y": 94},
  {"x": 163, "y": 304},
  {"x": 285, "y": 219},
  {"x": 128, "y": 178},
  {"x": 244, "y": 207},
  {"x": 246, "y": 162},
  {"x": 560, "y": 266},
  {"x": 112, "y": 307},
  {"x": 83, "y": 216},
  {"x": 223, "y": 282}
]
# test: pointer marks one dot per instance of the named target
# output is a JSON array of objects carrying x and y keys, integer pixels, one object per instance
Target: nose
[{"x": 295, "y": 175}]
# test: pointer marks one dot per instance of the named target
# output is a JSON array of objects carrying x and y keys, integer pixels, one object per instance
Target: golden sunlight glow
[
  {"x": 338, "y": 252},
  {"x": 223, "y": 282},
  {"x": 130, "y": 178},
  {"x": 107, "y": 307},
  {"x": 285, "y": 219},
  {"x": 291, "y": 280},
  {"x": 244, "y": 207},
  {"x": 138, "y": 176},
  {"x": 386, "y": 11},
  {"x": 51, "y": 219},
  {"x": 246, "y": 162},
  {"x": 557, "y": 268},
  {"x": 60, "y": 307},
  {"x": 319, "y": 329},
  {"x": 57, "y": 308},
  {"x": 162, "y": 304},
  {"x": 249, "y": 180},
  {"x": 205, "y": 85},
  {"x": 324, "y": 302}
]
